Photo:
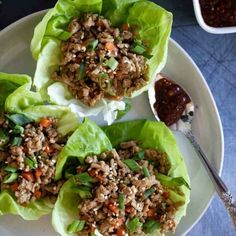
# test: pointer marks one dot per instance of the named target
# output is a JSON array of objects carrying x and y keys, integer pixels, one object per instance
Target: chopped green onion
[
  {"x": 76, "y": 226},
  {"x": 109, "y": 90},
  {"x": 146, "y": 172},
  {"x": 92, "y": 44},
  {"x": 10, "y": 169},
  {"x": 150, "y": 226},
  {"x": 81, "y": 71},
  {"x": 148, "y": 192},
  {"x": 119, "y": 39},
  {"x": 133, "y": 165},
  {"x": 83, "y": 191},
  {"x": 133, "y": 225},
  {"x": 10, "y": 178},
  {"x": 16, "y": 141},
  {"x": 19, "y": 119},
  {"x": 139, "y": 156},
  {"x": 31, "y": 162},
  {"x": 121, "y": 201},
  {"x": 101, "y": 77},
  {"x": 148, "y": 56},
  {"x": 172, "y": 181},
  {"x": 154, "y": 163},
  {"x": 4, "y": 138},
  {"x": 84, "y": 179},
  {"x": 18, "y": 129},
  {"x": 112, "y": 63},
  {"x": 138, "y": 47}
]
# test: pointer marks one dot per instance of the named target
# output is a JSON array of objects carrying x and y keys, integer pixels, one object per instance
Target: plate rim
[{"x": 196, "y": 68}]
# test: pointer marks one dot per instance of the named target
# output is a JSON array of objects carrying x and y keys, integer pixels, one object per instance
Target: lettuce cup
[
  {"x": 139, "y": 187},
  {"x": 93, "y": 54},
  {"x": 31, "y": 138}
]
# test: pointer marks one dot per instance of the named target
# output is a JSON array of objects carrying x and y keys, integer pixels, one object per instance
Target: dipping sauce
[
  {"x": 171, "y": 101},
  {"x": 219, "y": 13}
]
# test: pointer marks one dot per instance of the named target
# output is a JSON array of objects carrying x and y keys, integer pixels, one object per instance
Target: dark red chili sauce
[
  {"x": 171, "y": 101},
  {"x": 219, "y": 13}
]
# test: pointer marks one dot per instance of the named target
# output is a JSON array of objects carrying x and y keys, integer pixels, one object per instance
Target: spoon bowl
[{"x": 184, "y": 123}]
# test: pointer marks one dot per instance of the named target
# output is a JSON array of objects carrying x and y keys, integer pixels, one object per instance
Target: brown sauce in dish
[
  {"x": 219, "y": 13},
  {"x": 171, "y": 101}
]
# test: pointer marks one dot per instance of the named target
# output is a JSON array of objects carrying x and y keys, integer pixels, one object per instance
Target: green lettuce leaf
[
  {"x": 151, "y": 22},
  {"x": 55, "y": 22},
  {"x": 33, "y": 211},
  {"x": 87, "y": 139},
  {"x": 12, "y": 87},
  {"x": 16, "y": 97},
  {"x": 67, "y": 123},
  {"x": 151, "y": 135},
  {"x": 117, "y": 11},
  {"x": 10, "y": 83},
  {"x": 65, "y": 209},
  {"x": 156, "y": 135}
]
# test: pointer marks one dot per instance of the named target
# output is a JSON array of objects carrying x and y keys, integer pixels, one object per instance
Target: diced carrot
[
  {"x": 48, "y": 149},
  {"x": 92, "y": 172},
  {"x": 112, "y": 207},
  {"x": 37, "y": 194},
  {"x": 125, "y": 27},
  {"x": 166, "y": 195},
  {"x": 14, "y": 186},
  {"x": 95, "y": 174},
  {"x": 45, "y": 122},
  {"x": 120, "y": 232},
  {"x": 111, "y": 47},
  {"x": 150, "y": 212},
  {"x": 25, "y": 149},
  {"x": 38, "y": 173},
  {"x": 100, "y": 177},
  {"x": 128, "y": 209},
  {"x": 28, "y": 176}
]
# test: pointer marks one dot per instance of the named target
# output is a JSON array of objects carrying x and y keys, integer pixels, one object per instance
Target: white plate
[{"x": 15, "y": 57}]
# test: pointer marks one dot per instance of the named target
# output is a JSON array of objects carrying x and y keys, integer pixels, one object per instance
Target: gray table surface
[{"x": 215, "y": 55}]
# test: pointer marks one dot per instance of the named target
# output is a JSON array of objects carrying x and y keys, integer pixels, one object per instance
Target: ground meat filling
[
  {"x": 123, "y": 194},
  {"x": 100, "y": 61},
  {"x": 28, "y": 159}
]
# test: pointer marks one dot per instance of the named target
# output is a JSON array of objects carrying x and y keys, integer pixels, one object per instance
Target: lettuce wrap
[
  {"x": 17, "y": 101},
  {"x": 152, "y": 24},
  {"x": 150, "y": 135}
]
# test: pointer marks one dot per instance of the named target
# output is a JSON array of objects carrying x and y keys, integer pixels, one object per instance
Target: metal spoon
[{"x": 184, "y": 125}]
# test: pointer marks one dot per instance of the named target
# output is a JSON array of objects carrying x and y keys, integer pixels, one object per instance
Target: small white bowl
[{"x": 210, "y": 29}]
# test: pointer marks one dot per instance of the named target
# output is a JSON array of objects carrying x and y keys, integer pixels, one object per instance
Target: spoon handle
[{"x": 220, "y": 186}]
